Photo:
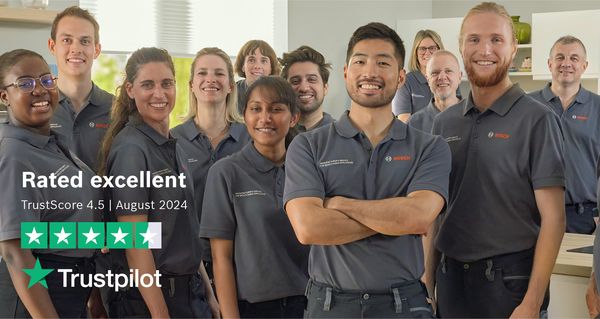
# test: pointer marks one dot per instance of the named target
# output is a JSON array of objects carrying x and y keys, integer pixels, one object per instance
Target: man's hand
[{"x": 526, "y": 310}]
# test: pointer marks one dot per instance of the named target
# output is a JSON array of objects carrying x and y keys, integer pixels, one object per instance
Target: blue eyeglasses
[{"x": 27, "y": 84}]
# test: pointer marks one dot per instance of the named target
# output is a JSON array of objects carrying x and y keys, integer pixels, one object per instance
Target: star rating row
[{"x": 91, "y": 235}]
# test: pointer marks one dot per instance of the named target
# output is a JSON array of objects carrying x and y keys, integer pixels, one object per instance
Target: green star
[{"x": 37, "y": 274}]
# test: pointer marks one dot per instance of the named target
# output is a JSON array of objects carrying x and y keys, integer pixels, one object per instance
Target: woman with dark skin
[
  {"x": 243, "y": 214},
  {"x": 27, "y": 144}
]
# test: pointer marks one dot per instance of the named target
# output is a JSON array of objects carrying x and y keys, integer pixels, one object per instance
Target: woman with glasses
[
  {"x": 31, "y": 248},
  {"x": 415, "y": 93}
]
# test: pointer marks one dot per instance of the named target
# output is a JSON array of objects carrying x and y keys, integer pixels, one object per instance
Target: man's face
[
  {"x": 567, "y": 63},
  {"x": 487, "y": 48},
  {"x": 75, "y": 48},
  {"x": 372, "y": 74},
  {"x": 308, "y": 83},
  {"x": 443, "y": 76}
]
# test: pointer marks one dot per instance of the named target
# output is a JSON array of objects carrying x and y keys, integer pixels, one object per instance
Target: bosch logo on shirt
[
  {"x": 503, "y": 136},
  {"x": 98, "y": 125},
  {"x": 580, "y": 117},
  {"x": 398, "y": 158}
]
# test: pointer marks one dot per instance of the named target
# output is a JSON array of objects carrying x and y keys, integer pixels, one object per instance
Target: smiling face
[
  {"x": 305, "y": 79},
  {"x": 443, "y": 76},
  {"x": 567, "y": 63},
  {"x": 154, "y": 93},
  {"x": 256, "y": 65},
  {"x": 31, "y": 110},
  {"x": 75, "y": 48},
  {"x": 425, "y": 49},
  {"x": 372, "y": 74},
  {"x": 211, "y": 83},
  {"x": 487, "y": 48},
  {"x": 268, "y": 121}
]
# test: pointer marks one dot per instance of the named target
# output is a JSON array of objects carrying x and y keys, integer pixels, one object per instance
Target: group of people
[{"x": 294, "y": 214}]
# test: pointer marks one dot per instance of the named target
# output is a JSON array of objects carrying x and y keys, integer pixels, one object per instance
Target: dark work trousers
[
  {"x": 288, "y": 307},
  {"x": 488, "y": 288},
  {"x": 404, "y": 300},
  {"x": 580, "y": 218},
  {"x": 184, "y": 295},
  {"x": 69, "y": 302}
]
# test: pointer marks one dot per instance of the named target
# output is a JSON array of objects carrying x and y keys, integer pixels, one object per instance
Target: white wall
[
  {"x": 30, "y": 36},
  {"x": 523, "y": 8},
  {"x": 327, "y": 25}
]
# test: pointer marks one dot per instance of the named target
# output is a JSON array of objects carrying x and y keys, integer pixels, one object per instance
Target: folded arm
[
  {"x": 315, "y": 224},
  {"x": 395, "y": 216}
]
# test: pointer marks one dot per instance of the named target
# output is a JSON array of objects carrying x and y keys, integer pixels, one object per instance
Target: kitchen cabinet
[{"x": 26, "y": 15}]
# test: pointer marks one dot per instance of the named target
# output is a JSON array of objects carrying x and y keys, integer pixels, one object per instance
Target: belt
[
  {"x": 581, "y": 207},
  {"x": 407, "y": 288},
  {"x": 181, "y": 283}
]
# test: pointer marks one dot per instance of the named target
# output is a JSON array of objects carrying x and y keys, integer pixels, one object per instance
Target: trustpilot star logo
[
  {"x": 34, "y": 235},
  {"x": 37, "y": 274},
  {"x": 148, "y": 235}
]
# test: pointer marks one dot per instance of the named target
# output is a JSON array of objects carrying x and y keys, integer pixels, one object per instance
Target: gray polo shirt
[
  {"x": 339, "y": 160},
  {"x": 241, "y": 92},
  {"x": 244, "y": 204},
  {"x": 413, "y": 95},
  {"x": 85, "y": 129},
  {"x": 201, "y": 156},
  {"x": 326, "y": 120},
  {"x": 423, "y": 119},
  {"x": 138, "y": 147},
  {"x": 499, "y": 157},
  {"x": 24, "y": 151},
  {"x": 581, "y": 130},
  {"x": 597, "y": 237}
]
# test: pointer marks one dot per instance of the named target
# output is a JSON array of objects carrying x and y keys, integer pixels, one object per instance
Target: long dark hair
[
  {"x": 124, "y": 106},
  {"x": 281, "y": 91}
]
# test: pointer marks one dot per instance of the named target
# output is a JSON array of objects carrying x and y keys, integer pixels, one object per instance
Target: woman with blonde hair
[
  {"x": 214, "y": 128},
  {"x": 415, "y": 93}
]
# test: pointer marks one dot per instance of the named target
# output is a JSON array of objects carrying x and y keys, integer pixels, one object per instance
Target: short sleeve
[
  {"x": 127, "y": 160},
  {"x": 218, "y": 212},
  {"x": 12, "y": 212},
  {"x": 433, "y": 170},
  {"x": 302, "y": 178},
  {"x": 402, "y": 102},
  {"x": 546, "y": 149}
]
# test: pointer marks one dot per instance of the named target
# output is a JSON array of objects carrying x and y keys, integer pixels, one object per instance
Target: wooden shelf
[{"x": 25, "y": 15}]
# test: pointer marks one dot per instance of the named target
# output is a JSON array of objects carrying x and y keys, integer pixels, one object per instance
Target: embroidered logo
[
  {"x": 453, "y": 139},
  {"x": 250, "y": 193},
  {"x": 398, "y": 158},
  {"x": 336, "y": 162},
  {"x": 98, "y": 125},
  {"x": 503, "y": 136}
]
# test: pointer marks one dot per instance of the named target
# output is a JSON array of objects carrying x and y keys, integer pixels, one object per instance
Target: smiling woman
[
  {"x": 139, "y": 141},
  {"x": 27, "y": 145}
]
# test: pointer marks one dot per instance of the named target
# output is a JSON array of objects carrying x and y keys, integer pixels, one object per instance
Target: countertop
[{"x": 574, "y": 264}]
